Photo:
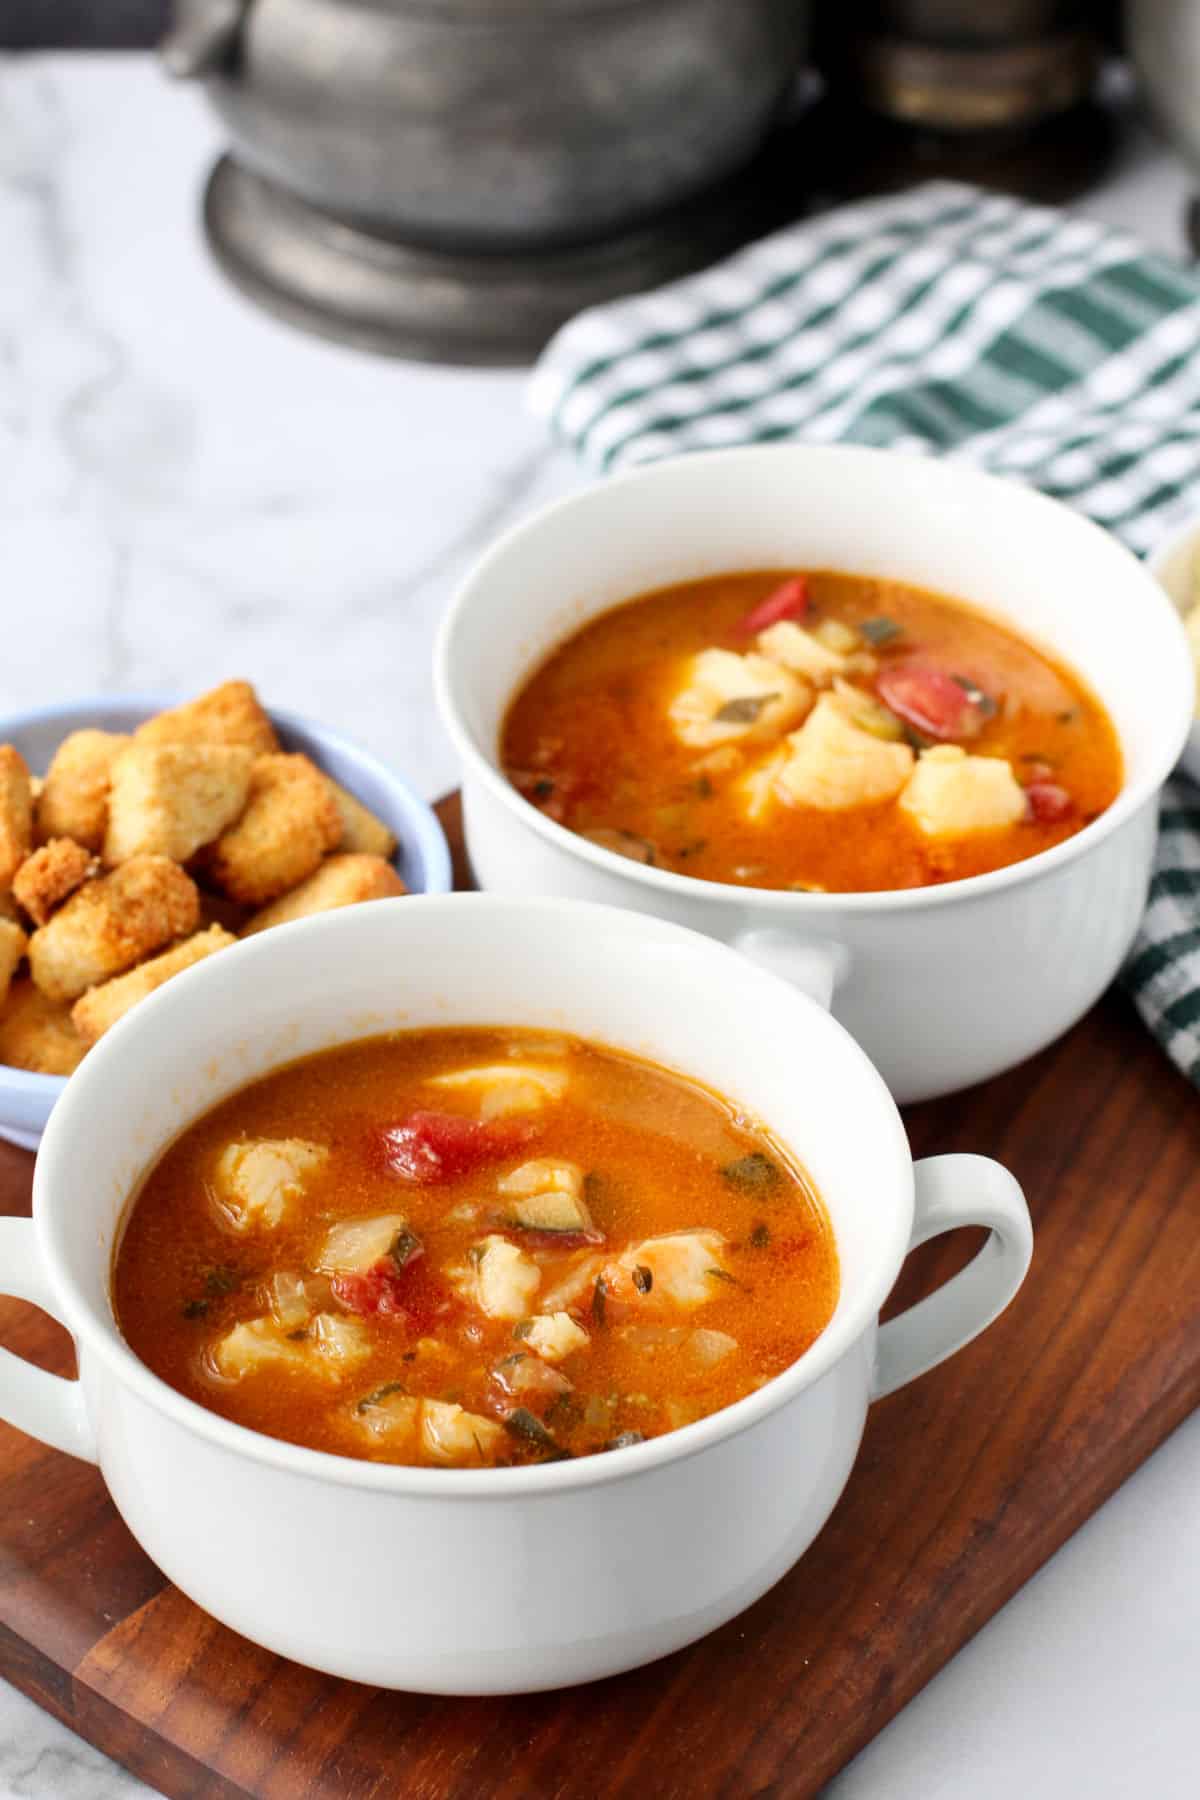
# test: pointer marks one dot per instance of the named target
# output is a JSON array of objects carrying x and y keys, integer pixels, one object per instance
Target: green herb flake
[
  {"x": 745, "y": 710},
  {"x": 599, "y": 1299},
  {"x": 195, "y": 1309},
  {"x": 724, "y": 1275},
  {"x": 643, "y": 1278},
  {"x": 543, "y": 789},
  {"x": 220, "y": 1280},
  {"x": 523, "y": 1424},
  {"x": 1069, "y": 717},
  {"x": 702, "y": 787},
  {"x": 522, "y": 1328},
  {"x": 754, "y": 1173},
  {"x": 298, "y": 1337},
  {"x": 880, "y": 631},
  {"x": 511, "y": 1361},
  {"x": 760, "y": 1237},
  {"x": 404, "y": 1247},
  {"x": 380, "y": 1394}
]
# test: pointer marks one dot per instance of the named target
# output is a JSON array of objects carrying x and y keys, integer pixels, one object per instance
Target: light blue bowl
[{"x": 422, "y": 858}]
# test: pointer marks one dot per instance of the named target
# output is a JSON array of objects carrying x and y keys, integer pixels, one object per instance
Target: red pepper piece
[
  {"x": 791, "y": 601},
  {"x": 435, "y": 1146},
  {"x": 1048, "y": 802},
  {"x": 934, "y": 703}
]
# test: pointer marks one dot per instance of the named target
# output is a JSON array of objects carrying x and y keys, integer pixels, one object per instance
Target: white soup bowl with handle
[
  {"x": 491, "y": 1580},
  {"x": 944, "y": 985}
]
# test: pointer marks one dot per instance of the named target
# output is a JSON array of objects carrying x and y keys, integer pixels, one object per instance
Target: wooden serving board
[{"x": 968, "y": 1480}]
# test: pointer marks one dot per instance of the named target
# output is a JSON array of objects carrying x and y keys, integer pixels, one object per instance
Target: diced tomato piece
[
  {"x": 934, "y": 703},
  {"x": 1048, "y": 802},
  {"x": 376, "y": 1292},
  {"x": 436, "y": 1146},
  {"x": 791, "y": 601},
  {"x": 412, "y": 1296}
]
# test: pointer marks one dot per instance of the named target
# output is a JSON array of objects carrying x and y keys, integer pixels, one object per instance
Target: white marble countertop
[{"x": 190, "y": 491}]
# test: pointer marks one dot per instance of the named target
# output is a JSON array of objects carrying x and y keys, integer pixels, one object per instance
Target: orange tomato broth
[
  {"x": 654, "y": 1146},
  {"x": 588, "y": 739}
]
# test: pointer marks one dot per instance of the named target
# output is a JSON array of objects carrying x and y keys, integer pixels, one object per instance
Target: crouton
[
  {"x": 726, "y": 697},
  {"x": 37, "y": 1033},
  {"x": 170, "y": 799},
  {"x": 102, "y": 1006},
  {"x": 16, "y": 813},
  {"x": 74, "y": 798},
  {"x": 12, "y": 949},
  {"x": 45, "y": 879},
  {"x": 340, "y": 881},
  {"x": 361, "y": 830},
  {"x": 291, "y": 820},
  {"x": 219, "y": 909},
  {"x": 229, "y": 714},
  {"x": 835, "y": 763},
  {"x": 951, "y": 794},
  {"x": 111, "y": 923},
  {"x": 8, "y": 907}
]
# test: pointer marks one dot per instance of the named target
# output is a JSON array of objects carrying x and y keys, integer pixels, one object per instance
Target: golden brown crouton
[
  {"x": 74, "y": 798},
  {"x": 340, "y": 881},
  {"x": 36, "y": 1033},
  {"x": 8, "y": 906},
  {"x": 12, "y": 949},
  {"x": 169, "y": 799},
  {"x": 361, "y": 830},
  {"x": 102, "y": 1006},
  {"x": 112, "y": 923},
  {"x": 219, "y": 909},
  {"x": 229, "y": 714},
  {"x": 290, "y": 821},
  {"x": 45, "y": 879},
  {"x": 16, "y": 813}
]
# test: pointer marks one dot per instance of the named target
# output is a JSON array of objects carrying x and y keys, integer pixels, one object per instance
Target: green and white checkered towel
[{"x": 1028, "y": 341}]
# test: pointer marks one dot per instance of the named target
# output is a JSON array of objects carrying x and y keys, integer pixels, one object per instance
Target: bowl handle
[
  {"x": 48, "y": 1407},
  {"x": 953, "y": 1191},
  {"x": 815, "y": 965}
]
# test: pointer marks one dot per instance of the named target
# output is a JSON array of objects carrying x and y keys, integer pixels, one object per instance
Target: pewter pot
[{"x": 492, "y": 124}]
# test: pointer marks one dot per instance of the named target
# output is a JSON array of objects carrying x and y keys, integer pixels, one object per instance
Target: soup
[
  {"x": 822, "y": 732},
  {"x": 472, "y": 1248}
]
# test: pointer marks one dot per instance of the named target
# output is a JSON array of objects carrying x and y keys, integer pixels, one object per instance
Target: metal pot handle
[{"x": 202, "y": 36}]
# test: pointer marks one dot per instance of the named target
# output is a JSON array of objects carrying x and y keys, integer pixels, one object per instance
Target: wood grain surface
[{"x": 967, "y": 1481}]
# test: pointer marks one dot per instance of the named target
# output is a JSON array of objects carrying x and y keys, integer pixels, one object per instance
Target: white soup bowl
[
  {"x": 504, "y": 1580},
  {"x": 942, "y": 986}
]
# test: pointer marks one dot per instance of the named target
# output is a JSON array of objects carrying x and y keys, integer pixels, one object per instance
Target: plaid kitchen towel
[{"x": 948, "y": 320}]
